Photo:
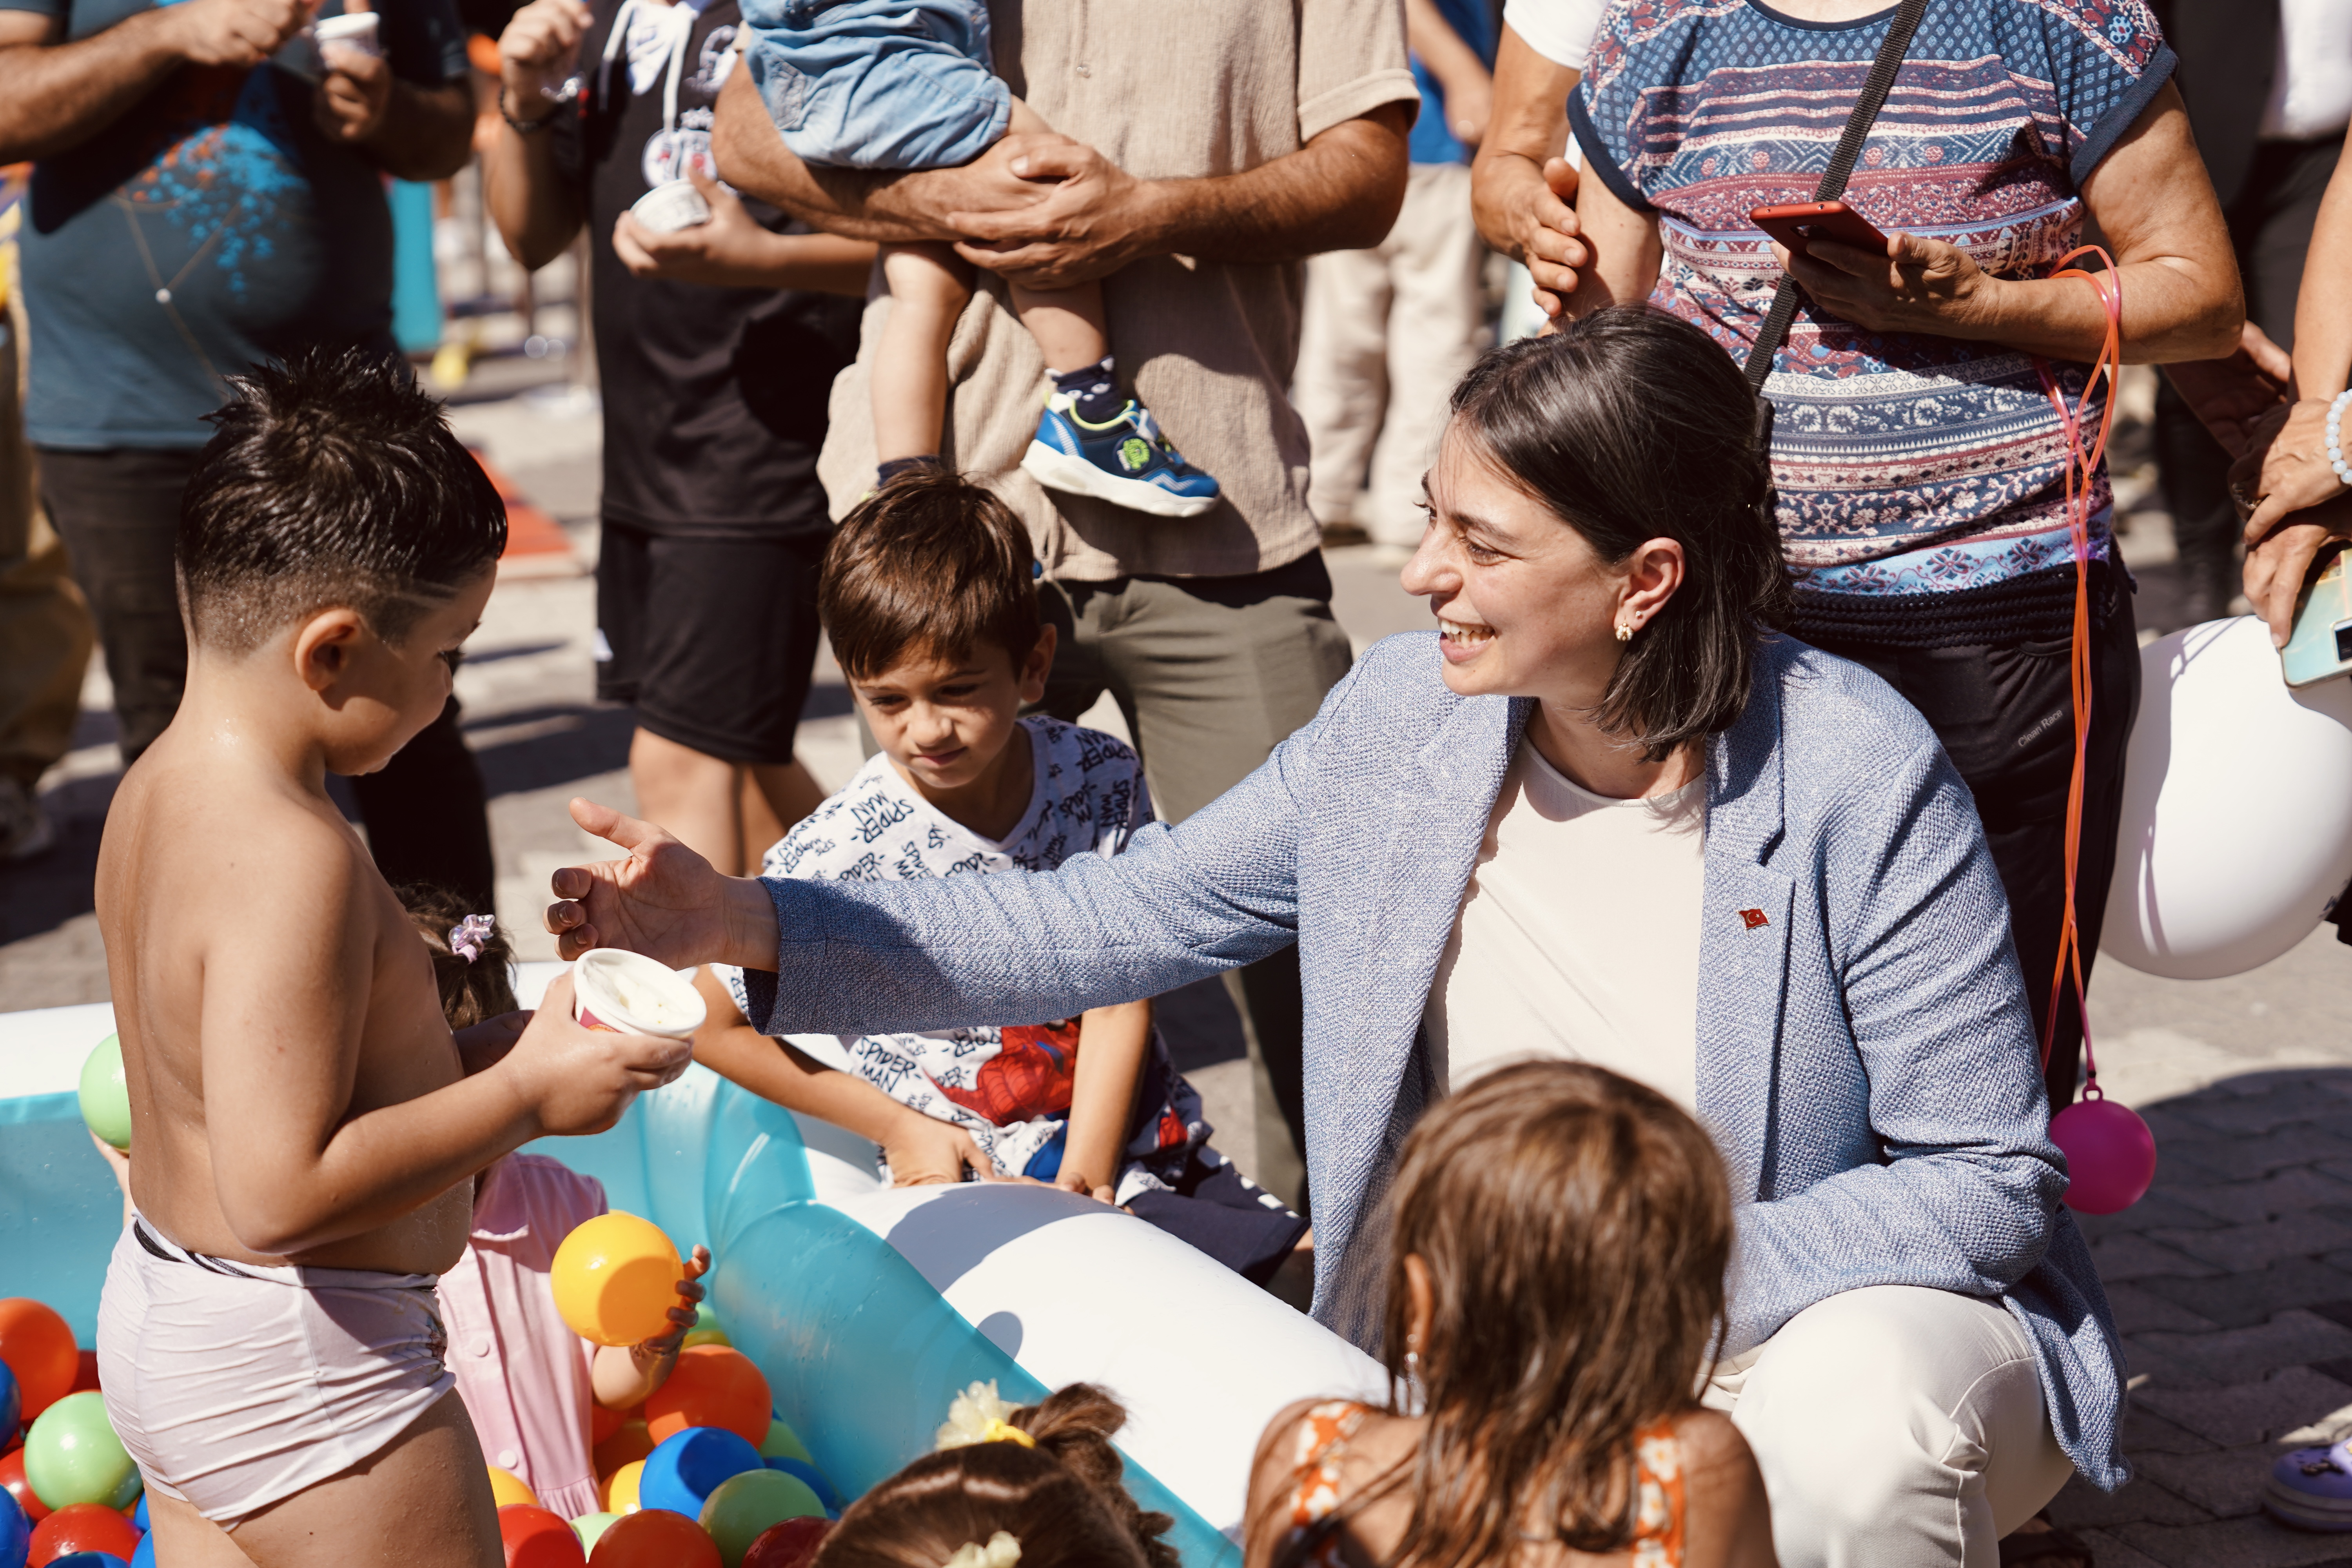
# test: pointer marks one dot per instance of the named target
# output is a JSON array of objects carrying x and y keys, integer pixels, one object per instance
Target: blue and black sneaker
[{"x": 1124, "y": 460}]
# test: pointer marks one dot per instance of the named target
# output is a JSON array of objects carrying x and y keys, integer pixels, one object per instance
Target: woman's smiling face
[{"x": 1525, "y": 607}]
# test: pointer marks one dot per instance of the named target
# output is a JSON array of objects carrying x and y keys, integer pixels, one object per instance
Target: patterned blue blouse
[{"x": 1907, "y": 463}]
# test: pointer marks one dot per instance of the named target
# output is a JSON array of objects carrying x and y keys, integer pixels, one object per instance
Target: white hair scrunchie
[{"x": 1002, "y": 1552}]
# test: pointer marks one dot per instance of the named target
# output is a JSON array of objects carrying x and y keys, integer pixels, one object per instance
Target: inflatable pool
[{"x": 866, "y": 1307}]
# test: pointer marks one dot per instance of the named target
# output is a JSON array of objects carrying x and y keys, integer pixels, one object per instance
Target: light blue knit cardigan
[{"x": 1866, "y": 1057}]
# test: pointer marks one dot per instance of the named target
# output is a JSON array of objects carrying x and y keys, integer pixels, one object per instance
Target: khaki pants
[
  {"x": 1387, "y": 333},
  {"x": 45, "y": 633},
  {"x": 1213, "y": 673},
  {"x": 1897, "y": 1427}
]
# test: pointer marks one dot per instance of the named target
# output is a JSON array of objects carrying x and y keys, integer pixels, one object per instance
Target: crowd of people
[{"x": 1658, "y": 982}]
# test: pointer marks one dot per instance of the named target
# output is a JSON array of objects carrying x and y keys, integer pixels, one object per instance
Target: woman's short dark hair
[
  {"x": 1631, "y": 425},
  {"x": 929, "y": 565},
  {"x": 331, "y": 479}
]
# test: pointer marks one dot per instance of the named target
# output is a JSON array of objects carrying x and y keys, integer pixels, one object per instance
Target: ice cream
[{"x": 628, "y": 993}]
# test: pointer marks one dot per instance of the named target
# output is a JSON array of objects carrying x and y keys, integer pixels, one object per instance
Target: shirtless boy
[{"x": 305, "y": 1125}]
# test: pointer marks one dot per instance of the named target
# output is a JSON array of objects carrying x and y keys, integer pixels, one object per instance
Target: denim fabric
[
  {"x": 877, "y": 84},
  {"x": 1866, "y": 1059}
]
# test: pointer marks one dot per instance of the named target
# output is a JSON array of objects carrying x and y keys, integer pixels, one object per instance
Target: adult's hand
[
  {"x": 731, "y": 250},
  {"x": 663, "y": 901},
  {"x": 536, "y": 53},
  {"x": 2232, "y": 397},
  {"x": 241, "y": 33},
  {"x": 1916, "y": 285},
  {"x": 1522, "y": 192},
  {"x": 2277, "y": 564},
  {"x": 1084, "y": 217},
  {"x": 353, "y": 97},
  {"x": 2285, "y": 467}
]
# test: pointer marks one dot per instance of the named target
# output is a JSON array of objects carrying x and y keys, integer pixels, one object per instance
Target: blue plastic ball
[
  {"x": 12, "y": 1407},
  {"x": 683, "y": 1472},
  {"x": 16, "y": 1533},
  {"x": 87, "y": 1560},
  {"x": 815, "y": 1480},
  {"x": 146, "y": 1556},
  {"x": 139, "y": 1515}
]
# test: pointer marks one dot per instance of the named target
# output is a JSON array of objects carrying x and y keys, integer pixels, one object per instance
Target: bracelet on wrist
[
  {"x": 524, "y": 127},
  {"x": 2335, "y": 438}
]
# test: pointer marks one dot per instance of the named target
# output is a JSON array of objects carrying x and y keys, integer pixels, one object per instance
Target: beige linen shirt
[{"x": 1172, "y": 89}]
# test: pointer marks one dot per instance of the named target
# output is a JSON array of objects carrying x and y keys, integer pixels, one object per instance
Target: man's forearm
[
  {"x": 852, "y": 202},
  {"x": 1341, "y": 192},
  {"x": 57, "y": 95},
  {"x": 428, "y": 132}
]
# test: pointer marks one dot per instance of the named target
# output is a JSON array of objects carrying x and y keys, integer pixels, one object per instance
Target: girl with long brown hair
[{"x": 1555, "y": 1285}]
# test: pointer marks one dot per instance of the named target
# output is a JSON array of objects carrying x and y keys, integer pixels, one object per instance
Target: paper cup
[
  {"x": 355, "y": 31},
  {"x": 625, "y": 993},
  {"x": 671, "y": 207}
]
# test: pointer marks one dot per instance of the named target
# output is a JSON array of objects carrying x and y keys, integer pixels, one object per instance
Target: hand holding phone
[{"x": 1795, "y": 224}]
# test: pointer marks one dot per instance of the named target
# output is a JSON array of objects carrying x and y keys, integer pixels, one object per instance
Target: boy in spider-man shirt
[{"x": 928, "y": 594}]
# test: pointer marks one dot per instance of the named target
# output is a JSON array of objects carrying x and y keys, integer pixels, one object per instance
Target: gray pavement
[{"x": 2233, "y": 1282}]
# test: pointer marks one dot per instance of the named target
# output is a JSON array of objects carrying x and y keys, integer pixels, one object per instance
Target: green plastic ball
[
  {"x": 783, "y": 1443},
  {"x": 743, "y": 1507},
  {"x": 72, "y": 1455},
  {"x": 105, "y": 1098},
  {"x": 590, "y": 1526}
]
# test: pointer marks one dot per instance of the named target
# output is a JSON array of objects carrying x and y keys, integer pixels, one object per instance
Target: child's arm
[
  {"x": 921, "y": 1149},
  {"x": 296, "y": 1163},
  {"x": 1727, "y": 1519},
  {"x": 1111, "y": 1044},
  {"x": 1462, "y": 76},
  {"x": 624, "y": 1376}
]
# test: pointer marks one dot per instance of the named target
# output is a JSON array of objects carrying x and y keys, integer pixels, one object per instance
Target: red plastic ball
[
  {"x": 537, "y": 1538},
  {"x": 711, "y": 1385},
  {"x": 86, "y": 1371},
  {"x": 603, "y": 1423},
  {"x": 12, "y": 1479},
  {"x": 2110, "y": 1155},
  {"x": 654, "y": 1538},
  {"x": 83, "y": 1527},
  {"x": 39, "y": 1349},
  {"x": 791, "y": 1544}
]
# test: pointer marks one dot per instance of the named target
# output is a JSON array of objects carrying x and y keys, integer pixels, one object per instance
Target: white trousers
[
  {"x": 1897, "y": 1427},
  {"x": 1387, "y": 333}
]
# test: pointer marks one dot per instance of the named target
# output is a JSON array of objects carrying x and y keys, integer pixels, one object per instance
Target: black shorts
[{"x": 712, "y": 641}]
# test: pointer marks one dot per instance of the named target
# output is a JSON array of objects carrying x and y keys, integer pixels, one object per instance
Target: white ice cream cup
[
  {"x": 625, "y": 993},
  {"x": 354, "y": 30},
  {"x": 671, "y": 206}
]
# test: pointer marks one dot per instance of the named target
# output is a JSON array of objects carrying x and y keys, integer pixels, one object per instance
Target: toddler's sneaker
[
  {"x": 1124, "y": 460},
  {"x": 2311, "y": 1488}
]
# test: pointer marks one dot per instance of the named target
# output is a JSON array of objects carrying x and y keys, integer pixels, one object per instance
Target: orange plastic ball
[
  {"x": 711, "y": 1385},
  {"x": 791, "y": 1544},
  {"x": 655, "y": 1538},
  {"x": 603, "y": 1423},
  {"x": 537, "y": 1538},
  {"x": 84, "y": 1527},
  {"x": 627, "y": 1446},
  {"x": 39, "y": 1349}
]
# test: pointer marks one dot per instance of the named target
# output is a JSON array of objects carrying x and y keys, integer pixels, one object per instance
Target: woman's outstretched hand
[{"x": 663, "y": 901}]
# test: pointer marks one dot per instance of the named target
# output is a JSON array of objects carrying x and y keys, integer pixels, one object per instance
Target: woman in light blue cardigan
[{"x": 1917, "y": 1345}]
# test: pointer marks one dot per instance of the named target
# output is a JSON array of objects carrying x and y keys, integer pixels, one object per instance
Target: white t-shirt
[
  {"x": 1559, "y": 30},
  {"x": 1577, "y": 937},
  {"x": 2311, "y": 91}
]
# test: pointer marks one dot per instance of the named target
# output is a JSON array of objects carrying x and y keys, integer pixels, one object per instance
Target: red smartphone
[{"x": 1795, "y": 223}]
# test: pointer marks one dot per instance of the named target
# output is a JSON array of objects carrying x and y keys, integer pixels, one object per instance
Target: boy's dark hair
[
  {"x": 928, "y": 565},
  {"x": 1062, "y": 1500},
  {"x": 470, "y": 992},
  {"x": 331, "y": 479}
]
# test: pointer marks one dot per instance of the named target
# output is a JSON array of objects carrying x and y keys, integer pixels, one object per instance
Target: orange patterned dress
[{"x": 1327, "y": 1430}]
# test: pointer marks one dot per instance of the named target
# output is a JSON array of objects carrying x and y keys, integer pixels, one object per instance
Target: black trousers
[
  {"x": 2004, "y": 711},
  {"x": 119, "y": 512},
  {"x": 2270, "y": 226}
]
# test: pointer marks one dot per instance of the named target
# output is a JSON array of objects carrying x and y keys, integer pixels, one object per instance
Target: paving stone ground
[{"x": 2231, "y": 1281}]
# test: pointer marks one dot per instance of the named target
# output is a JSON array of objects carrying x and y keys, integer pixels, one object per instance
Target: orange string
[{"x": 2082, "y": 468}]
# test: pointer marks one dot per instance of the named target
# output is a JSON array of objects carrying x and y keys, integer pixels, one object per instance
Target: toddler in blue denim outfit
[{"x": 908, "y": 84}]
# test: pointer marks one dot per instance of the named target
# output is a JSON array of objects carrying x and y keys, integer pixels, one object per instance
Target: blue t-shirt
[
  {"x": 211, "y": 228},
  {"x": 1433, "y": 142},
  {"x": 1907, "y": 462}
]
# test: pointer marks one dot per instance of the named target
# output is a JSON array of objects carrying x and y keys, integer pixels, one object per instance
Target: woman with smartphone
[{"x": 1920, "y": 463}]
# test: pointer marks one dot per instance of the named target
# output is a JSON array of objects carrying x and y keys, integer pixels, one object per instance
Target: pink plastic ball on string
[{"x": 2110, "y": 1153}]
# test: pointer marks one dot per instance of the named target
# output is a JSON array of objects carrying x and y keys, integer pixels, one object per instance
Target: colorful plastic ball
[
  {"x": 711, "y": 1385},
  {"x": 615, "y": 1279},
  {"x": 139, "y": 1514},
  {"x": 603, "y": 1423},
  {"x": 2110, "y": 1154},
  {"x": 508, "y": 1489},
  {"x": 536, "y": 1538},
  {"x": 12, "y": 1405},
  {"x": 146, "y": 1556},
  {"x": 655, "y": 1538},
  {"x": 791, "y": 1544},
  {"x": 72, "y": 1455},
  {"x": 92, "y": 1559},
  {"x": 15, "y": 1534},
  {"x": 746, "y": 1507},
  {"x": 105, "y": 1096},
  {"x": 621, "y": 1487},
  {"x": 783, "y": 1443},
  {"x": 85, "y": 1371},
  {"x": 13, "y": 1481},
  {"x": 683, "y": 1472},
  {"x": 82, "y": 1527},
  {"x": 590, "y": 1527},
  {"x": 811, "y": 1478},
  {"x": 631, "y": 1443},
  {"x": 706, "y": 1331},
  {"x": 39, "y": 1349}
]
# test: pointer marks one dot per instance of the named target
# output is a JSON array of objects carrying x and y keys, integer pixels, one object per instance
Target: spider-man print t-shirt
[
  {"x": 1009, "y": 1088},
  {"x": 211, "y": 228},
  {"x": 1907, "y": 462}
]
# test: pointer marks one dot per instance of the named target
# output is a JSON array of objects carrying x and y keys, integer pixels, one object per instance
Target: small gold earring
[{"x": 1625, "y": 631}]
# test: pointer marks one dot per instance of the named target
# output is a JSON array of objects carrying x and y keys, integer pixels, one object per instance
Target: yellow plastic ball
[
  {"x": 615, "y": 1279},
  {"x": 507, "y": 1490},
  {"x": 621, "y": 1489}
]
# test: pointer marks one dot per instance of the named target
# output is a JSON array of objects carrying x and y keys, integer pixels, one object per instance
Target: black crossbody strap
[{"x": 1875, "y": 89}]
